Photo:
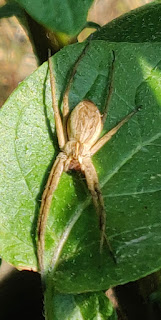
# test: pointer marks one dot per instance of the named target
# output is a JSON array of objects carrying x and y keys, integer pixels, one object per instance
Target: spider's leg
[
  {"x": 110, "y": 89},
  {"x": 58, "y": 120},
  {"x": 52, "y": 183},
  {"x": 94, "y": 188},
  {"x": 100, "y": 143},
  {"x": 66, "y": 109}
]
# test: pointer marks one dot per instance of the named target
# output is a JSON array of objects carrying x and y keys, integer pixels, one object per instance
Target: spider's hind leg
[{"x": 94, "y": 188}]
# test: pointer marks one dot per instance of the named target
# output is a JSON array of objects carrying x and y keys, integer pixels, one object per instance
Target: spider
[{"x": 78, "y": 138}]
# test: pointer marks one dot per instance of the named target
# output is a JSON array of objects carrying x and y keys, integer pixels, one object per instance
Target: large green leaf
[
  {"x": 83, "y": 306},
  {"x": 67, "y": 16},
  {"x": 140, "y": 25},
  {"x": 128, "y": 168}
]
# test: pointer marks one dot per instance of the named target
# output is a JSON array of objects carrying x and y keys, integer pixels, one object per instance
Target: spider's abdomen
[{"x": 84, "y": 123}]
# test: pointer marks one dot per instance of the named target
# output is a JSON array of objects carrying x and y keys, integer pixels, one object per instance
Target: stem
[{"x": 43, "y": 39}]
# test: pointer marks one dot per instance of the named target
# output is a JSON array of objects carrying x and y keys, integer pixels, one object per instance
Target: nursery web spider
[{"x": 78, "y": 137}]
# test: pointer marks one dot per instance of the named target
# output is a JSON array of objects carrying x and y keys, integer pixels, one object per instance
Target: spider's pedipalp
[{"x": 52, "y": 183}]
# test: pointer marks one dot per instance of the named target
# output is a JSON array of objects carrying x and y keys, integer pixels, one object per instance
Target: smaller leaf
[
  {"x": 77, "y": 307},
  {"x": 67, "y": 17}
]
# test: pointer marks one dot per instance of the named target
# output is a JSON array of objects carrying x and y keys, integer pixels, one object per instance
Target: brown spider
[{"x": 78, "y": 138}]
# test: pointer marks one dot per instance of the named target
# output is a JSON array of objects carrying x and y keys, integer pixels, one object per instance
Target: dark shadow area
[
  {"x": 135, "y": 299},
  {"x": 21, "y": 296}
]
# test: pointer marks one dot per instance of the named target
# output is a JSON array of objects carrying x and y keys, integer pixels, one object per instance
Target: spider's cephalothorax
[{"x": 78, "y": 138}]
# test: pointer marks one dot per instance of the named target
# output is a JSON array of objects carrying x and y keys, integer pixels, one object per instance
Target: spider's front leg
[
  {"x": 52, "y": 183},
  {"x": 94, "y": 188}
]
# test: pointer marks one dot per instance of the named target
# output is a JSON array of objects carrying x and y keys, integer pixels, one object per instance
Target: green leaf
[
  {"x": 67, "y": 16},
  {"x": 84, "y": 306},
  {"x": 140, "y": 25},
  {"x": 10, "y": 9},
  {"x": 128, "y": 167}
]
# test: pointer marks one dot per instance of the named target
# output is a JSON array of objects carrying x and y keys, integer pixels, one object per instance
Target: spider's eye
[{"x": 85, "y": 124}]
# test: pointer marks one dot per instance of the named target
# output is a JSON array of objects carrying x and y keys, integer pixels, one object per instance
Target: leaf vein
[
  {"x": 130, "y": 193},
  {"x": 135, "y": 151}
]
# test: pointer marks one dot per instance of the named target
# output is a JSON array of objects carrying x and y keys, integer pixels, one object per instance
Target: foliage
[
  {"x": 128, "y": 166},
  {"x": 84, "y": 306}
]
